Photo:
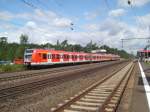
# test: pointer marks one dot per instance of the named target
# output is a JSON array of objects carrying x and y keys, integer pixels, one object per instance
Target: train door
[
  {"x": 70, "y": 57},
  {"x": 49, "y": 57},
  {"x": 61, "y": 58},
  {"x": 78, "y": 57}
]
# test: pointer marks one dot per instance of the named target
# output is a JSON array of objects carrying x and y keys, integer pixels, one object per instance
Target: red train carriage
[{"x": 36, "y": 57}]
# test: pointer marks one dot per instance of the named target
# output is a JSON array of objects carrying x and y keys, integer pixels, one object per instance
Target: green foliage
[
  {"x": 3, "y": 40},
  {"x": 24, "y": 39},
  {"x": 10, "y": 68},
  {"x": 10, "y": 51}
]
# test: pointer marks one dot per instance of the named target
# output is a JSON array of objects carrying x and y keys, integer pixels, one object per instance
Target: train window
[
  {"x": 75, "y": 56},
  {"x": 53, "y": 56},
  {"x": 72, "y": 56},
  {"x": 65, "y": 56},
  {"x": 86, "y": 57},
  {"x": 81, "y": 57},
  {"x": 29, "y": 51},
  {"x": 44, "y": 56},
  {"x": 28, "y": 56},
  {"x": 57, "y": 56}
]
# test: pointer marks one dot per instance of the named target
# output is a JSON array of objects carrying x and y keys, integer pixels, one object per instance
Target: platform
[{"x": 134, "y": 98}]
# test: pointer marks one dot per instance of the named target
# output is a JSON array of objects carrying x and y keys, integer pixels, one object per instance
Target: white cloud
[
  {"x": 5, "y": 16},
  {"x": 31, "y": 24},
  {"x": 136, "y": 3},
  {"x": 62, "y": 22},
  {"x": 91, "y": 15},
  {"x": 91, "y": 27},
  {"x": 109, "y": 32},
  {"x": 39, "y": 16},
  {"x": 46, "y": 26},
  {"x": 117, "y": 12},
  {"x": 143, "y": 20}
]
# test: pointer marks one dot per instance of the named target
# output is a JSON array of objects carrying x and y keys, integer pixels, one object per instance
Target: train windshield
[
  {"x": 29, "y": 51},
  {"x": 28, "y": 56}
]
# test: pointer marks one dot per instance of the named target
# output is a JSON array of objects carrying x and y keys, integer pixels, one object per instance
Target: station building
[{"x": 144, "y": 54}]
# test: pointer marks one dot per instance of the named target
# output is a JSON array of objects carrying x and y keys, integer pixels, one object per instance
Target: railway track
[
  {"x": 24, "y": 75},
  {"x": 14, "y": 91},
  {"x": 103, "y": 96}
]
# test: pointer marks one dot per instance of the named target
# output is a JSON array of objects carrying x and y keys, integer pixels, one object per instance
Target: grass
[{"x": 11, "y": 68}]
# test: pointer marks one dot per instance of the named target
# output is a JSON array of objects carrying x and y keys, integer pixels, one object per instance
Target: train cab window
[{"x": 44, "y": 56}]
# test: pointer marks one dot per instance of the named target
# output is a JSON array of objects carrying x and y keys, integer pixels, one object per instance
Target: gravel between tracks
[
  {"x": 43, "y": 100},
  {"x": 126, "y": 100},
  {"x": 44, "y": 73}
]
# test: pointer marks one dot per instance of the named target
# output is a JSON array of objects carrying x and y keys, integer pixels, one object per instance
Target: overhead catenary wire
[
  {"x": 29, "y": 4},
  {"x": 139, "y": 19},
  {"x": 35, "y": 7}
]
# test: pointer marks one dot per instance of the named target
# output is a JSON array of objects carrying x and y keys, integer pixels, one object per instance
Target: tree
[
  {"x": 90, "y": 46},
  {"x": 3, "y": 48},
  {"x": 24, "y": 39},
  {"x": 3, "y": 40},
  {"x": 58, "y": 46},
  {"x": 64, "y": 44}
]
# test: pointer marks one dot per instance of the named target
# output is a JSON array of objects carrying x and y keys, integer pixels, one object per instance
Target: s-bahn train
[{"x": 41, "y": 57}]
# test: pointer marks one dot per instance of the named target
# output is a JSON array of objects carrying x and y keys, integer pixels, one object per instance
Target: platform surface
[{"x": 139, "y": 100}]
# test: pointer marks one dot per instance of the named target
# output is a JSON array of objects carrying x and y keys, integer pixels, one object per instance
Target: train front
[{"x": 28, "y": 56}]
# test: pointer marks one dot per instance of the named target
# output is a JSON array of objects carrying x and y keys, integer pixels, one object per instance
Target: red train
[{"x": 36, "y": 57}]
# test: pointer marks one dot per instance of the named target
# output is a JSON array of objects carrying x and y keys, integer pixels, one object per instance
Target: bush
[{"x": 10, "y": 68}]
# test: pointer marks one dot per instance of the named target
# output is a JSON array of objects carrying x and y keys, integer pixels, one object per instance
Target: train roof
[
  {"x": 58, "y": 51},
  {"x": 144, "y": 51},
  {"x": 67, "y": 52}
]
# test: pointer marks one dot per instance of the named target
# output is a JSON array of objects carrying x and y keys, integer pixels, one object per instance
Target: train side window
[
  {"x": 53, "y": 56},
  {"x": 75, "y": 56},
  {"x": 57, "y": 56},
  {"x": 64, "y": 56},
  {"x": 44, "y": 56},
  {"x": 72, "y": 56}
]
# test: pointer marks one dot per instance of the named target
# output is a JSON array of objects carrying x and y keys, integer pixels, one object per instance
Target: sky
[{"x": 102, "y": 21}]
